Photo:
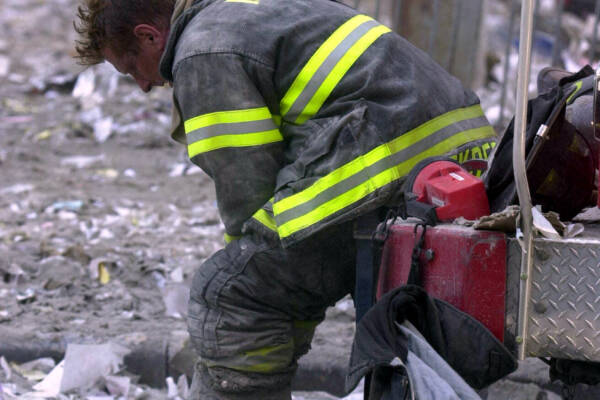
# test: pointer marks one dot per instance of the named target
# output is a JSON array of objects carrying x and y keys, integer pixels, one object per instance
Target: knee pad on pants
[{"x": 225, "y": 381}]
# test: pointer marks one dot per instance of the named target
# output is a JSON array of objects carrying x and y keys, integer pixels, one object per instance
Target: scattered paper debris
[
  {"x": 53, "y": 119},
  {"x": 85, "y": 84},
  {"x": 25, "y": 296},
  {"x": 176, "y": 297},
  {"x": 103, "y": 274},
  {"x": 5, "y": 367},
  {"x": 183, "y": 388},
  {"x": 109, "y": 173},
  {"x": 30, "y": 373},
  {"x": 99, "y": 269},
  {"x": 44, "y": 364},
  {"x": 4, "y": 316},
  {"x": 588, "y": 215},
  {"x": 4, "y": 65},
  {"x": 82, "y": 161},
  {"x": 172, "y": 390},
  {"x": 177, "y": 170},
  {"x": 542, "y": 225},
  {"x": 91, "y": 116},
  {"x": 103, "y": 129},
  {"x": 69, "y": 205},
  {"x": 85, "y": 365},
  {"x": 17, "y": 188},
  {"x": 182, "y": 169},
  {"x": 50, "y": 385},
  {"x": 177, "y": 275},
  {"x": 43, "y": 135},
  {"x": 117, "y": 385},
  {"x": 573, "y": 230}
]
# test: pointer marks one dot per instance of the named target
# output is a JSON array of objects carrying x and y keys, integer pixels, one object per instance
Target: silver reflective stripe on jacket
[{"x": 310, "y": 104}]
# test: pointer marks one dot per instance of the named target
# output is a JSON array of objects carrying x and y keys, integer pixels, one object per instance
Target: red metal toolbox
[{"x": 463, "y": 266}]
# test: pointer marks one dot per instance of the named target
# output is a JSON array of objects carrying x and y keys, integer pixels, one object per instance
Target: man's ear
[{"x": 149, "y": 36}]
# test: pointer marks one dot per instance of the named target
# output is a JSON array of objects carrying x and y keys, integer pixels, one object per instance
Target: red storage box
[
  {"x": 468, "y": 268},
  {"x": 452, "y": 190}
]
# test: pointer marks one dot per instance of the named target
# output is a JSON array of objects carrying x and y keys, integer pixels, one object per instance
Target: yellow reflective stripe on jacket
[
  {"x": 357, "y": 193},
  {"x": 351, "y": 168},
  {"x": 230, "y": 238},
  {"x": 277, "y": 120},
  {"x": 265, "y": 219},
  {"x": 327, "y": 67},
  {"x": 578, "y": 85},
  {"x": 237, "y": 128},
  {"x": 381, "y": 166}
]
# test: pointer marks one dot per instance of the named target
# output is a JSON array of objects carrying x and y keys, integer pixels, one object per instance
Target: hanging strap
[{"x": 414, "y": 276}]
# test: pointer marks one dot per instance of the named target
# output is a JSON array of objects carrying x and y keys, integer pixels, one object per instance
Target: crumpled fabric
[
  {"x": 429, "y": 375},
  {"x": 463, "y": 342}
]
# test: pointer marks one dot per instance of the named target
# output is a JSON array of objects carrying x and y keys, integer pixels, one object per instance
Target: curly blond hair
[{"x": 109, "y": 23}]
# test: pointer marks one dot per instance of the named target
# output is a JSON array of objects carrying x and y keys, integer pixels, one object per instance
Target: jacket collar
[
  {"x": 183, "y": 12},
  {"x": 180, "y": 7}
]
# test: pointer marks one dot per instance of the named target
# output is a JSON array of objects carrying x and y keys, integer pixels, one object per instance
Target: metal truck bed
[{"x": 564, "y": 309}]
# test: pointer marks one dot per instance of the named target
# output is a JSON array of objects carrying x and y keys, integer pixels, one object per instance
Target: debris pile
[
  {"x": 92, "y": 372},
  {"x": 567, "y": 43},
  {"x": 103, "y": 219}
]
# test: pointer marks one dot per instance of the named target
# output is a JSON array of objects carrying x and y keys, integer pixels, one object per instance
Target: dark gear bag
[
  {"x": 463, "y": 342},
  {"x": 560, "y": 149},
  {"x": 572, "y": 372}
]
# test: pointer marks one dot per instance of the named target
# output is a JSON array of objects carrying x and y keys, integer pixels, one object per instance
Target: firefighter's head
[{"x": 130, "y": 34}]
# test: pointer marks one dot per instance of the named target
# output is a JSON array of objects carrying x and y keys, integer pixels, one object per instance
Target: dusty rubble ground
[
  {"x": 102, "y": 223},
  {"x": 102, "y": 218}
]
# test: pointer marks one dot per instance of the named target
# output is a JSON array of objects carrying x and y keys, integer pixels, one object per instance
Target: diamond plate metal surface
[
  {"x": 513, "y": 269},
  {"x": 564, "y": 312}
]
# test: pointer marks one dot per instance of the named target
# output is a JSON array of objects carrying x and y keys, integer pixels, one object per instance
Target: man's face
[{"x": 142, "y": 65}]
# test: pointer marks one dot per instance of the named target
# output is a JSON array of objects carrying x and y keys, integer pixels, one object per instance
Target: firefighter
[{"x": 306, "y": 115}]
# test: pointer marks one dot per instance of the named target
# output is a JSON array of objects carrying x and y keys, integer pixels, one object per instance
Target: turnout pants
[{"x": 254, "y": 307}]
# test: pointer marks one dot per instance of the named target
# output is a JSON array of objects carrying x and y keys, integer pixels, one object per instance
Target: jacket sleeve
[{"x": 230, "y": 131}]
